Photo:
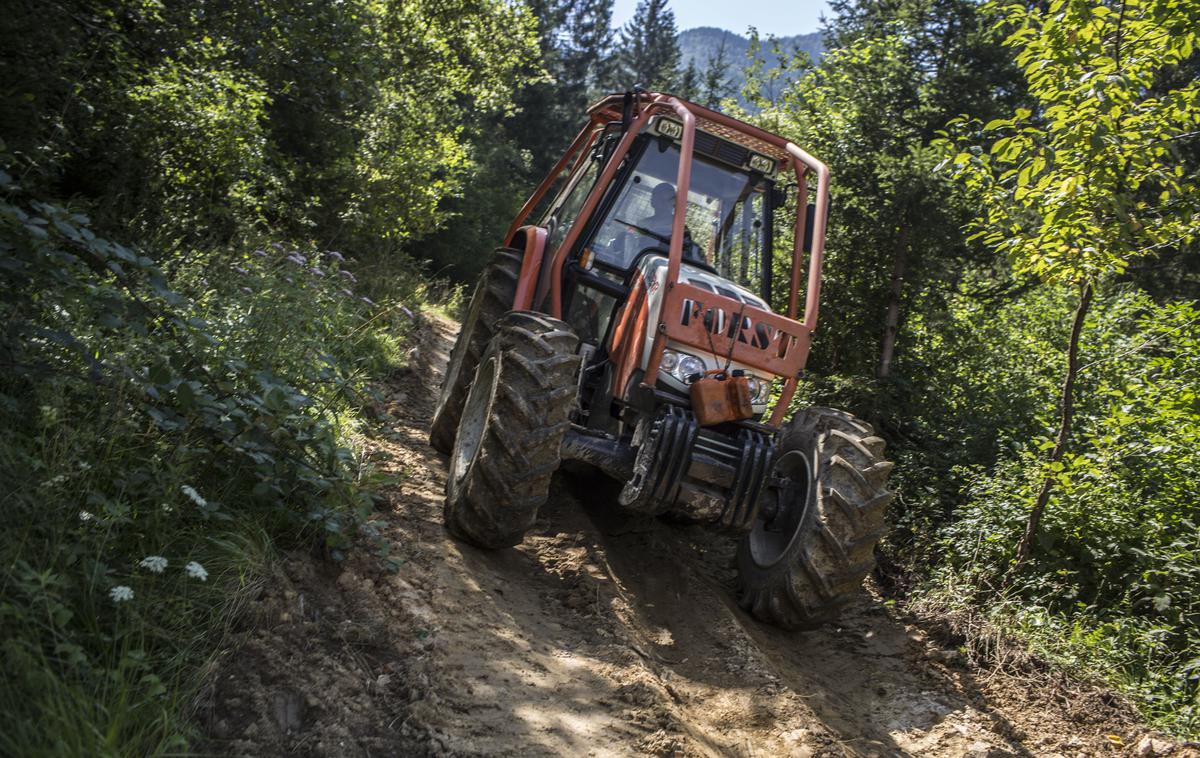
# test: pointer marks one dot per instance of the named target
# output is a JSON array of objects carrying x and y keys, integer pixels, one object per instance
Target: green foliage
[
  {"x": 216, "y": 144},
  {"x": 1072, "y": 189},
  {"x": 1091, "y": 176},
  {"x": 178, "y": 404},
  {"x": 715, "y": 84},
  {"x": 1080, "y": 159},
  {"x": 1119, "y": 554},
  {"x": 149, "y": 415},
  {"x": 351, "y": 123},
  {"x": 577, "y": 64},
  {"x": 414, "y": 154},
  {"x": 649, "y": 54},
  {"x": 871, "y": 111}
]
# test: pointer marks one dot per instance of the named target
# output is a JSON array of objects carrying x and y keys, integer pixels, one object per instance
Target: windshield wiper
[{"x": 644, "y": 230}]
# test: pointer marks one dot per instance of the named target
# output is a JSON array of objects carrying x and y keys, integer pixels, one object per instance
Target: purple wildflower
[
  {"x": 277, "y": 246},
  {"x": 316, "y": 271},
  {"x": 347, "y": 292},
  {"x": 348, "y": 275},
  {"x": 297, "y": 258},
  {"x": 247, "y": 290},
  {"x": 368, "y": 301},
  {"x": 259, "y": 253},
  {"x": 407, "y": 312},
  {"x": 241, "y": 270},
  {"x": 336, "y": 256},
  {"x": 288, "y": 279}
]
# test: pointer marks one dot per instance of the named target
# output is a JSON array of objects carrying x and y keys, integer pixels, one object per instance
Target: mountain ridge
[{"x": 700, "y": 44}]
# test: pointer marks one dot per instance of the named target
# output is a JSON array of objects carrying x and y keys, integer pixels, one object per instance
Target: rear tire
[
  {"x": 494, "y": 294},
  {"x": 798, "y": 570},
  {"x": 510, "y": 435}
]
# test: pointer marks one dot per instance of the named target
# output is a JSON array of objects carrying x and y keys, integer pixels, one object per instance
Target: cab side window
[{"x": 560, "y": 220}]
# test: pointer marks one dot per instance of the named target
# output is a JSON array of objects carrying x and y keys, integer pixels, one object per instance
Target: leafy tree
[
  {"x": 897, "y": 256},
  {"x": 343, "y": 120},
  {"x": 649, "y": 51},
  {"x": 590, "y": 58},
  {"x": 575, "y": 64},
  {"x": 958, "y": 60},
  {"x": 1092, "y": 176},
  {"x": 764, "y": 83},
  {"x": 185, "y": 349},
  {"x": 871, "y": 110}
]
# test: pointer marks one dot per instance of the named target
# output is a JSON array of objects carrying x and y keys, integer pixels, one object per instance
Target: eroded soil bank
[{"x": 597, "y": 636}]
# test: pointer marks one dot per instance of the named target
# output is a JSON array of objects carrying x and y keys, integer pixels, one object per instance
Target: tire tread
[
  {"x": 836, "y": 547},
  {"x": 509, "y": 480}
]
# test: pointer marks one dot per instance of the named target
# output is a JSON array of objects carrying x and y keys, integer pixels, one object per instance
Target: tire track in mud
[{"x": 599, "y": 635}]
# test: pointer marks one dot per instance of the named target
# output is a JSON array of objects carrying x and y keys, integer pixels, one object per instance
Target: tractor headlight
[
  {"x": 681, "y": 365},
  {"x": 760, "y": 390}
]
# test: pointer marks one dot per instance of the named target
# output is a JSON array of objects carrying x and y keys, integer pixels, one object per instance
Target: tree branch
[{"x": 1066, "y": 415}]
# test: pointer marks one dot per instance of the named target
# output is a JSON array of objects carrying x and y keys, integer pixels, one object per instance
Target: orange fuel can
[{"x": 718, "y": 397}]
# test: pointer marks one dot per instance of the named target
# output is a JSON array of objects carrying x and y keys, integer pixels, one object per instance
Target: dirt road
[{"x": 597, "y": 636}]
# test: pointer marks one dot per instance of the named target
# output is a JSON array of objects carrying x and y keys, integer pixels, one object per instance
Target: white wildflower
[
  {"x": 54, "y": 481},
  {"x": 196, "y": 571},
  {"x": 86, "y": 516},
  {"x": 154, "y": 564},
  {"x": 120, "y": 593},
  {"x": 85, "y": 466},
  {"x": 191, "y": 492}
]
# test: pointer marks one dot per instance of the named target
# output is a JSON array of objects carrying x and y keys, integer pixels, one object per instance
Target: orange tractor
[{"x": 630, "y": 329}]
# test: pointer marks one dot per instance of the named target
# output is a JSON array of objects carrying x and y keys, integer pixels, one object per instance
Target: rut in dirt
[{"x": 597, "y": 635}]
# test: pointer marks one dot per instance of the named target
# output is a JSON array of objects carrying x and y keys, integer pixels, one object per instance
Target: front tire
[
  {"x": 493, "y": 297},
  {"x": 807, "y": 557},
  {"x": 510, "y": 435}
]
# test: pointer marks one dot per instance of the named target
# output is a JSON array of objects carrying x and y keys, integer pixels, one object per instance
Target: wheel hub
[
  {"x": 474, "y": 421},
  {"x": 785, "y": 500}
]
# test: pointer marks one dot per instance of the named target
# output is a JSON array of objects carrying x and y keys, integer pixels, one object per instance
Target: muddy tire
[
  {"x": 799, "y": 565},
  {"x": 494, "y": 294},
  {"x": 513, "y": 422}
]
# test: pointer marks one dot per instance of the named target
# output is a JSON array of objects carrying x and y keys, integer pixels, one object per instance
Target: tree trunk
[
  {"x": 1066, "y": 412},
  {"x": 892, "y": 322}
]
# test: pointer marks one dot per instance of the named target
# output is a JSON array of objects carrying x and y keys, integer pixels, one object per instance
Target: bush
[
  {"x": 1112, "y": 584},
  {"x": 161, "y": 432}
]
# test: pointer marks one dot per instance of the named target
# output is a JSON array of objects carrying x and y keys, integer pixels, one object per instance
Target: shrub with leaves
[
  {"x": 1110, "y": 587},
  {"x": 154, "y": 426}
]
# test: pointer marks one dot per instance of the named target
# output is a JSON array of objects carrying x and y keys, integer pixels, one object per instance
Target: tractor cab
[
  {"x": 647, "y": 325},
  {"x": 613, "y": 222},
  {"x": 727, "y": 228}
]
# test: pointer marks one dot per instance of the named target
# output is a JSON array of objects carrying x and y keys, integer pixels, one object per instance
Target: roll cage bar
[{"x": 616, "y": 108}]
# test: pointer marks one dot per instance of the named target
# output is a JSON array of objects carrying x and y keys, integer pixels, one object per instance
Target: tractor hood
[
  {"x": 654, "y": 269},
  {"x": 654, "y": 273}
]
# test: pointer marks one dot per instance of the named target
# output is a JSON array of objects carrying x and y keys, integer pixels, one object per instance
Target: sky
[{"x": 781, "y": 17}]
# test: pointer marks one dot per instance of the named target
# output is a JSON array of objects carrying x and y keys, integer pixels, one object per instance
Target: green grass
[{"x": 1127, "y": 654}]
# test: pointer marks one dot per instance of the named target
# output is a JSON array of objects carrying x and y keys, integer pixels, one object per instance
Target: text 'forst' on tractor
[{"x": 630, "y": 328}]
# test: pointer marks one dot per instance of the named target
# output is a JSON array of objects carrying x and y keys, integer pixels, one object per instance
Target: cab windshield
[{"x": 724, "y": 229}]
